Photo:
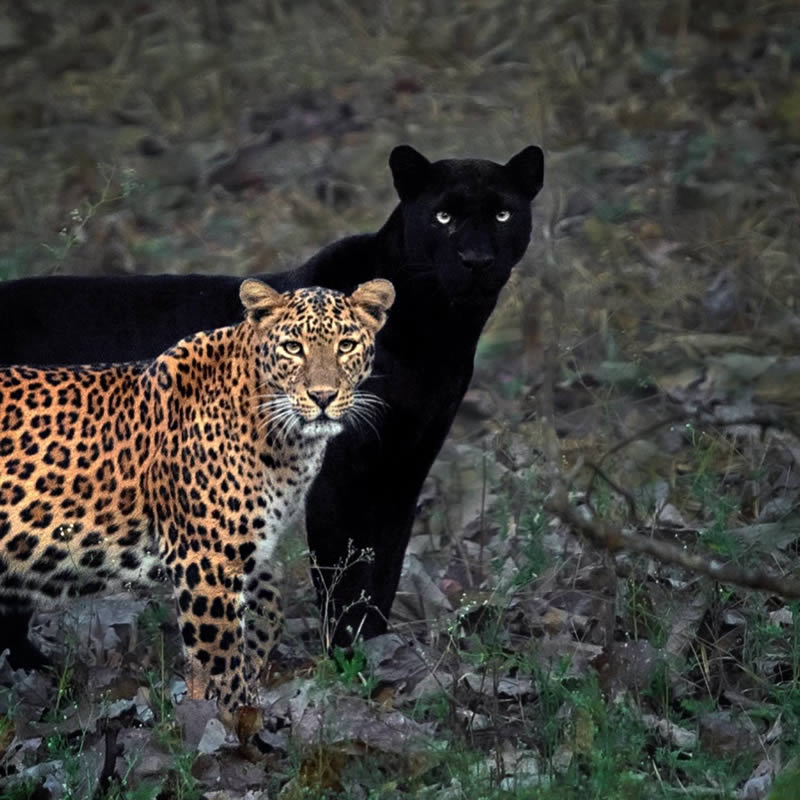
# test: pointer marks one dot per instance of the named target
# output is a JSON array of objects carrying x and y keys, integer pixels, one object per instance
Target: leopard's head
[{"x": 315, "y": 346}]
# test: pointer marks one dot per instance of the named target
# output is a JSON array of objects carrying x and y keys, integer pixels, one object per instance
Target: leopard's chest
[{"x": 286, "y": 485}]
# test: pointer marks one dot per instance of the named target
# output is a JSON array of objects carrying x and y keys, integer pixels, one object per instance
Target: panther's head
[
  {"x": 468, "y": 220},
  {"x": 315, "y": 346}
]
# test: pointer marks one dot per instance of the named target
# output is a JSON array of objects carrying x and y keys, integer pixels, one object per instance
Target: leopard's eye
[
  {"x": 347, "y": 346},
  {"x": 443, "y": 218},
  {"x": 293, "y": 348},
  {"x": 503, "y": 216}
]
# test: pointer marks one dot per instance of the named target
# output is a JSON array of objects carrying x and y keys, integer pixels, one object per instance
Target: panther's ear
[
  {"x": 526, "y": 169},
  {"x": 411, "y": 171},
  {"x": 371, "y": 301},
  {"x": 259, "y": 300}
]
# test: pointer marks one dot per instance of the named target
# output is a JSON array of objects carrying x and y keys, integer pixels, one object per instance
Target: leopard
[
  {"x": 448, "y": 246},
  {"x": 186, "y": 470}
]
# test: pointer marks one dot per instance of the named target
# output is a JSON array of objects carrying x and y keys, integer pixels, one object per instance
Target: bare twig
[
  {"x": 624, "y": 493},
  {"x": 613, "y": 538},
  {"x": 698, "y": 417}
]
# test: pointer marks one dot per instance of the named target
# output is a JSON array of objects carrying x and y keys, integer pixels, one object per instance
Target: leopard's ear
[
  {"x": 259, "y": 300},
  {"x": 371, "y": 301},
  {"x": 411, "y": 171},
  {"x": 526, "y": 169}
]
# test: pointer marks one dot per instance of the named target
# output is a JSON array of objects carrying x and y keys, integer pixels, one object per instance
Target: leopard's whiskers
[
  {"x": 277, "y": 412},
  {"x": 362, "y": 397},
  {"x": 277, "y": 422},
  {"x": 276, "y": 417},
  {"x": 360, "y": 419},
  {"x": 295, "y": 421},
  {"x": 286, "y": 424}
]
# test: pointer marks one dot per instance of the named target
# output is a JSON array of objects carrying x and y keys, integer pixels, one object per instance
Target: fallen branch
[
  {"x": 613, "y": 538},
  {"x": 698, "y": 417}
]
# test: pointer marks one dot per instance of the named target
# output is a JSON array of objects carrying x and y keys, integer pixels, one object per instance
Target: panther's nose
[
  {"x": 322, "y": 397},
  {"x": 475, "y": 261}
]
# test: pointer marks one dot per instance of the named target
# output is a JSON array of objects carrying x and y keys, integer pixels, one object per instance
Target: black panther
[{"x": 448, "y": 248}]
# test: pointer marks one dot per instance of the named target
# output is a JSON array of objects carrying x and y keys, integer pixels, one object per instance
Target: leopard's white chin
[{"x": 322, "y": 427}]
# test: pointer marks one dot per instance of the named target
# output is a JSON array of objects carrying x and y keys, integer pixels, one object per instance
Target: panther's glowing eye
[
  {"x": 347, "y": 346},
  {"x": 293, "y": 348},
  {"x": 503, "y": 216},
  {"x": 443, "y": 218}
]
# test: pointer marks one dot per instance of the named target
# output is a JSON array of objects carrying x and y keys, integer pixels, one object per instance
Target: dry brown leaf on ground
[
  {"x": 757, "y": 786},
  {"x": 327, "y": 716},
  {"x": 335, "y": 731},
  {"x": 729, "y": 733},
  {"x": 98, "y": 629},
  {"x": 675, "y": 734},
  {"x": 494, "y": 686},
  {"x": 419, "y": 596},
  {"x": 394, "y": 659},
  {"x": 631, "y": 667},
  {"x": 685, "y": 618}
]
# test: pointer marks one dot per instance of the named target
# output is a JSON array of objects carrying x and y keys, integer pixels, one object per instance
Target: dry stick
[
  {"x": 624, "y": 493},
  {"x": 764, "y": 420},
  {"x": 597, "y": 471},
  {"x": 613, "y": 538}
]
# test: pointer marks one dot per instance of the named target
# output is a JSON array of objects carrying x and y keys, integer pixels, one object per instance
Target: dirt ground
[{"x": 651, "y": 334}]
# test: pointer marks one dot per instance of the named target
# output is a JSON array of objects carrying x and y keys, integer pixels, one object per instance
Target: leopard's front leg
[
  {"x": 211, "y": 614},
  {"x": 263, "y": 617}
]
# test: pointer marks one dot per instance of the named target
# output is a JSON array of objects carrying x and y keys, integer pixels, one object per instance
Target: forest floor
[{"x": 644, "y": 362}]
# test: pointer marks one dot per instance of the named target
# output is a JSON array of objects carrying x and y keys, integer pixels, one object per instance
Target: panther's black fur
[{"x": 448, "y": 247}]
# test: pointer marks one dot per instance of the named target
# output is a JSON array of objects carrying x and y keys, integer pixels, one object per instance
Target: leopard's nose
[
  {"x": 322, "y": 397},
  {"x": 475, "y": 261}
]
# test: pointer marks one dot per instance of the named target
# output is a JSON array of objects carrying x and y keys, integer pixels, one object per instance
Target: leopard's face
[{"x": 315, "y": 348}]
